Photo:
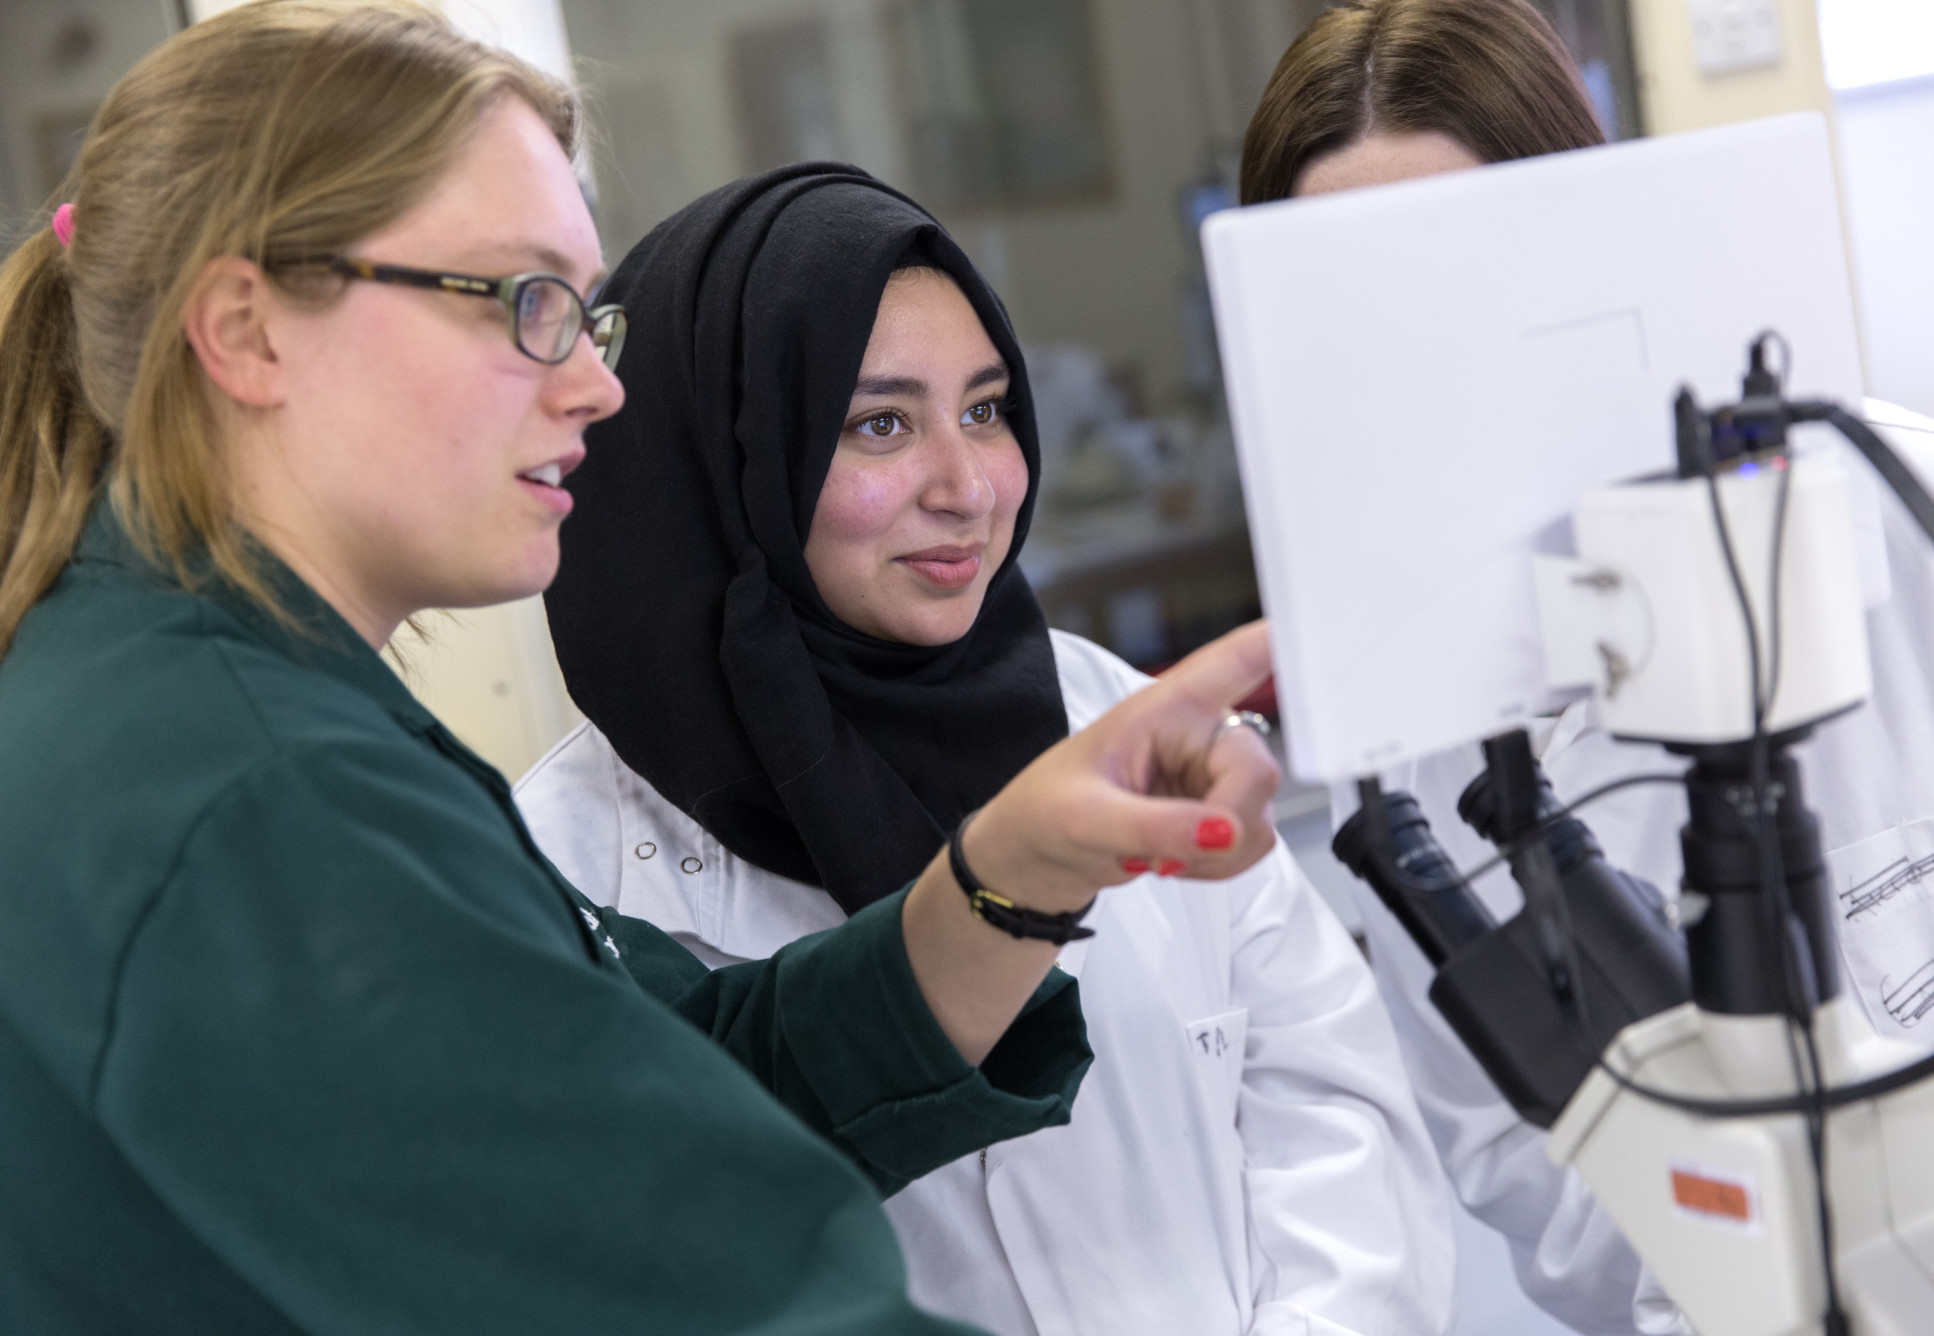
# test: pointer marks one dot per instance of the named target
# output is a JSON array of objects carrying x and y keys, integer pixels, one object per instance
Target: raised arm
[{"x": 1149, "y": 780}]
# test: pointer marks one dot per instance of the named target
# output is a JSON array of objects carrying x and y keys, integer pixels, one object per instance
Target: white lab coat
[
  {"x": 1870, "y": 778},
  {"x": 1245, "y": 1155}
]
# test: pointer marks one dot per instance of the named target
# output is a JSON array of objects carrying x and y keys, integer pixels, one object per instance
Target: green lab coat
[{"x": 299, "y": 1031}]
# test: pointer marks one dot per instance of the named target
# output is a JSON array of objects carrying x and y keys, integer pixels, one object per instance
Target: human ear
[{"x": 226, "y": 320}]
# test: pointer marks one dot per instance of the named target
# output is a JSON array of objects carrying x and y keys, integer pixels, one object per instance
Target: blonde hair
[{"x": 278, "y": 131}]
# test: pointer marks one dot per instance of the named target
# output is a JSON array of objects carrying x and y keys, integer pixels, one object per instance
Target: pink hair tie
[{"x": 64, "y": 224}]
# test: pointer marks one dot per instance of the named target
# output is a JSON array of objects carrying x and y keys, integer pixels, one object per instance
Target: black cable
[
  {"x": 1773, "y": 881},
  {"x": 1775, "y": 644},
  {"x": 1774, "y": 874},
  {"x": 1892, "y": 469},
  {"x": 1775, "y": 899},
  {"x": 1835, "y": 1097}
]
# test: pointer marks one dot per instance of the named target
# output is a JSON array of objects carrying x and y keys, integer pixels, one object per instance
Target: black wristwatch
[{"x": 1003, "y": 913}]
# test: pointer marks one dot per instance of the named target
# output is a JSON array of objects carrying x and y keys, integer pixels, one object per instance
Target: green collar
[{"x": 314, "y": 636}]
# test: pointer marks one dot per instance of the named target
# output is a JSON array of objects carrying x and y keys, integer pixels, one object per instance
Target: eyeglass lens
[
  {"x": 550, "y": 316},
  {"x": 608, "y": 333}
]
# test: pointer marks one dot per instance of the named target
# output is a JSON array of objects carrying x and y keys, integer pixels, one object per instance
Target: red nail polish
[
  {"x": 1134, "y": 865},
  {"x": 1215, "y": 832},
  {"x": 1168, "y": 867}
]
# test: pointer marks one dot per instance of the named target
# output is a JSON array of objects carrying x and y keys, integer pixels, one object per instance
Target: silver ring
[{"x": 1239, "y": 719}]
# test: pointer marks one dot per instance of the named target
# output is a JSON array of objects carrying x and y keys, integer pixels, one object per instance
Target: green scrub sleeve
[
  {"x": 836, "y": 1027},
  {"x": 362, "y": 1045}
]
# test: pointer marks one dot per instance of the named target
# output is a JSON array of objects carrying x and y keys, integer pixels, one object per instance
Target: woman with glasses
[
  {"x": 828, "y": 434},
  {"x": 298, "y": 1030}
]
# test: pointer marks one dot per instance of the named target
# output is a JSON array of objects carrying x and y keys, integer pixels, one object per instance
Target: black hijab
[{"x": 687, "y": 624}]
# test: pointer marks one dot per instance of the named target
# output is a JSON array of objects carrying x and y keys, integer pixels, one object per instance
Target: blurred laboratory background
[{"x": 1072, "y": 147}]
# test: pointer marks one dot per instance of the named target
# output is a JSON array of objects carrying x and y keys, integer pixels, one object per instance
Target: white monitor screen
[{"x": 1423, "y": 377}]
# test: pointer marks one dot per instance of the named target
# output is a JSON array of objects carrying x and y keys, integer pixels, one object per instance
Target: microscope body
[
  {"x": 1719, "y": 613},
  {"x": 1646, "y": 614},
  {"x": 1725, "y": 1210},
  {"x": 1722, "y": 1210}
]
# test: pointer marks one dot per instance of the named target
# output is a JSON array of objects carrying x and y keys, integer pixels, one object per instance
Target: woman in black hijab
[
  {"x": 807, "y": 748},
  {"x": 802, "y": 530}
]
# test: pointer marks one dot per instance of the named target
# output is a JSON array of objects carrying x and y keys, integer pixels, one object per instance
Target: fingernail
[
  {"x": 1215, "y": 832},
  {"x": 1134, "y": 865},
  {"x": 1168, "y": 867}
]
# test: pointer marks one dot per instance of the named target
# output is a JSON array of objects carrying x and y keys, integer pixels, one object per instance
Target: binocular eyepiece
[{"x": 1499, "y": 985}]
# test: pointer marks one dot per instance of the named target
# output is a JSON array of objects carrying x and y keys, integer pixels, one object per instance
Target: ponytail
[{"x": 52, "y": 447}]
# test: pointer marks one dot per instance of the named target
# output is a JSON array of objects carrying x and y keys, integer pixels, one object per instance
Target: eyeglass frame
[{"x": 505, "y": 291}]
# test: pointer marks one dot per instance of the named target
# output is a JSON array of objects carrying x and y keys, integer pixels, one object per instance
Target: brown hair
[
  {"x": 1491, "y": 74},
  {"x": 277, "y": 131}
]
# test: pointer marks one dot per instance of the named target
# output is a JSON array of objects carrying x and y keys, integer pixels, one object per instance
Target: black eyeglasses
[{"x": 546, "y": 313}]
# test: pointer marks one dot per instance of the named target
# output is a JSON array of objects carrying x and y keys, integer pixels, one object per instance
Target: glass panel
[
  {"x": 1001, "y": 101},
  {"x": 1599, "y": 34},
  {"x": 783, "y": 80}
]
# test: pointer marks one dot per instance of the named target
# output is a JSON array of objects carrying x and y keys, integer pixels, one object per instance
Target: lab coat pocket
[
  {"x": 1882, "y": 888},
  {"x": 1215, "y": 1052}
]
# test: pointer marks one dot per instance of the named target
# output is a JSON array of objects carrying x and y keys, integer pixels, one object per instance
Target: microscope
[{"x": 1770, "y": 1158}]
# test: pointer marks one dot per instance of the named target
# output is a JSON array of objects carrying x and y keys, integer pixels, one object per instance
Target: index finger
[{"x": 1225, "y": 670}]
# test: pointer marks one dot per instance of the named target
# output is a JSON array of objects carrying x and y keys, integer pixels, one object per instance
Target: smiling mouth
[
  {"x": 546, "y": 484},
  {"x": 948, "y": 568}
]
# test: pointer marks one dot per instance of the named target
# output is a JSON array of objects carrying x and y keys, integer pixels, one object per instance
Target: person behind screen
[
  {"x": 829, "y": 437},
  {"x": 1376, "y": 91},
  {"x": 298, "y": 1031}
]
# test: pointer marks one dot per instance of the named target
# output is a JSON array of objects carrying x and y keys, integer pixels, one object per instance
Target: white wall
[
  {"x": 491, "y": 676},
  {"x": 1677, "y": 96},
  {"x": 1885, "y": 135},
  {"x": 1887, "y": 169}
]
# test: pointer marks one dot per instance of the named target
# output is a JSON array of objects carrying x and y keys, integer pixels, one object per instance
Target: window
[
  {"x": 1002, "y": 102},
  {"x": 784, "y": 77},
  {"x": 1598, "y": 34},
  {"x": 1876, "y": 41}
]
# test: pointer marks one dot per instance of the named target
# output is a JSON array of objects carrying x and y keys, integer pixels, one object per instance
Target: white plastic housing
[
  {"x": 1723, "y": 1209},
  {"x": 1648, "y": 615},
  {"x": 1423, "y": 377}
]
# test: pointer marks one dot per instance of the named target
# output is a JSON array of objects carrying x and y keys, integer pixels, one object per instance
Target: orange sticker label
[{"x": 1714, "y": 1195}]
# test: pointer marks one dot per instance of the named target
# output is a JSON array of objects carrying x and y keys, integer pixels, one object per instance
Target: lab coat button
[
  {"x": 690, "y": 865},
  {"x": 646, "y": 850}
]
